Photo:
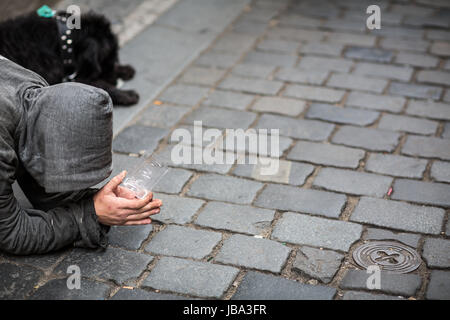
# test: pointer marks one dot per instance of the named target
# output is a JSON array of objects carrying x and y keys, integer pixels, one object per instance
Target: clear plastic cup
[{"x": 144, "y": 176}]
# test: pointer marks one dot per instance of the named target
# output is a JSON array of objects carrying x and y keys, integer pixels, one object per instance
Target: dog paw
[
  {"x": 126, "y": 72},
  {"x": 126, "y": 98}
]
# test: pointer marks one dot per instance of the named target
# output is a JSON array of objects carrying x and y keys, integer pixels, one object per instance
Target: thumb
[{"x": 114, "y": 182}]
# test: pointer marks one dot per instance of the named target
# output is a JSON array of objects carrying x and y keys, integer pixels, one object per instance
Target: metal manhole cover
[{"x": 388, "y": 255}]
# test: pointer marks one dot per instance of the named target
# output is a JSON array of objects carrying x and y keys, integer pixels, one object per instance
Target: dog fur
[{"x": 33, "y": 42}]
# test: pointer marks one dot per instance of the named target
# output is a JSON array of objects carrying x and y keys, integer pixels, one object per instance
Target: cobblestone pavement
[{"x": 359, "y": 112}]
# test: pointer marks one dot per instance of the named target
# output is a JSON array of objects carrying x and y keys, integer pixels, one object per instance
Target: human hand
[{"x": 116, "y": 205}]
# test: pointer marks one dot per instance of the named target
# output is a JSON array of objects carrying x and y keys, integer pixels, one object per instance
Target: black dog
[{"x": 35, "y": 43}]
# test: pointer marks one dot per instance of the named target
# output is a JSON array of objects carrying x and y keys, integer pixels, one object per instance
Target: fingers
[
  {"x": 138, "y": 223},
  {"x": 142, "y": 216},
  {"x": 134, "y": 204},
  {"x": 114, "y": 182}
]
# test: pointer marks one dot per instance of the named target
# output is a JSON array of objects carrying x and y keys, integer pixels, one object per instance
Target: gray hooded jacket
[{"x": 56, "y": 142}]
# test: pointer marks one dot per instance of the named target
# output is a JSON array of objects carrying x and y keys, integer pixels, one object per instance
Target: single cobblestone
[
  {"x": 326, "y": 154},
  {"x": 296, "y": 128},
  {"x": 302, "y": 200},
  {"x": 369, "y": 54},
  {"x": 353, "y": 82},
  {"x": 436, "y": 252},
  {"x": 253, "y": 70},
  {"x": 314, "y": 93},
  {"x": 347, "y": 115},
  {"x": 417, "y": 60},
  {"x": 407, "y": 124},
  {"x": 318, "y": 264},
  {"x": 395, "y": 165},
  {"x": 375, "y": 102},
  {"x": 306, "y": 230},
  {"x": 392, "y": 283},
  {"x": 325, "y": 63},
  {"x": 183, "y": 242},
  {"x": 270, "y": 58},
  {"x": 440, "y": 171},
  {"x": 176, "y": 209},
  {"x": 331, "y": 49},
  {"x": 173, "y": 181},
  {"x": 427, "y": 147},
  {"x": 202, "y": 76},
  {"x": 439, "y": 285},
  {"x": 254, "y": 253},
  {"x": 434, "y": 77},
  {"x": 284, "y": 106},
  {"x": 306, "y": 76},
  {"x": 191, "y": 277},
  {"x": 422, "y": 192},
  {"x": 384, "y": 71},
  {"x": 259, "y": 286},
  {"x": 347, "y": 181},
  {"x": 237, "y": 218},
  {"x": 184, "y": 94},
  {"x": 257, "y": 86},
  {"x": 164, "y": 116},
  {"x": 367, "y": 138},
  {"x": 398, "y": 215},
  {"x": 227, "y": 99},
  {"x": 129, "y": 237},
  {"x": 415, "y": 90},
  {"x": 429, "y": 109},
  {"x": 283, "y": 46},
  {"x": 139, "y": 138},
  {"x": 221, "y": 118},
  {"x": 409, "y": 239},
  {"x": 224, "y": 188},
  {"x": 361, "y": 295}
]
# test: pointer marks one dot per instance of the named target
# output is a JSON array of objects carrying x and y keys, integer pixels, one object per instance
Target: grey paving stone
[
  {"x": 282, "y": 144},
  {"x": 291, "y": 19},
  {"x": 183, "y": 242},
  {"x": 259, "y": 286},
  {"x": 417, "y": 60},
  {"x": 440, "y": 171},
  {"x": 440, "y": 48},
  {"x": 227, "y": 99},
  {"x": 176, "y": 209},
  {"x": 384, "y": 71},
  {"x": 407, "y": 124},
  {"x": 40, "y": 261},
  {"x": 216, "y": 59},
  {"x": 427, "y": 147},
  {"x": 202, "y": 76},
  {"x": 173, "y": 181},
  {"x": 395, "y": 165},
  {"x": 295, "y": 34},
  {"x": 437, "y": 253},
  {"x": 361, "y": 295},
  {"x": 257, "y": 86},
  {"x": 269, "y": 58},
  {"x": 288, "y": 172},
  {"x": 254, "y": 253},
  {"x": 446, "y": 132},
  {"x": 234, "y": 43},
  {"x": 352, "y": 39},
  {"x": 434, "y": 77},
  {"x": 301, "y": 200},
  {"x": 138, "y": 138},
  {"x": 405, "y": 44},
  {"x": 325, "y": 63},
  {"x": 375, "y": 102},
  {"x": 353, "y": 182},
  {"x": 184, "y": 94},
  {"x": 438, "y": 34},
  {"x": 57, "y": 290},
  {"x": 237, "y": 218},
  {"x": 307, "y": 76},
  {"x": 296, "y": 128},
  {"x": 409, "y": 239},
  {"x": 326, "y": 154},
  {"x": 253, "y": 70},
  {"x": 278, "y": 45},
  {"x": 393, "y": 283},
  {"x": 422, "y": 192},
  {"x": 415, "y": 90},
  {"x": 398, "y": 215},
  {"x": 191, "y": 277},
  {"x": 370, "y": 54},
  {"x": 129, "y": 237},
  {"x": 306, "y": 230},
  {"x": 221, "y": 118},
  {"x": 249, "y": 27},
  {"x": 17, "y": 281},
  {"x": 429, "y": 109},
  {"x": 354, "y": 82},
  {"x": 344, "y": 25},
  {"x": 113, "y": 264},
  {"x": 289, "y": 107},
  {"x": 140, "y": 294},
  {"x": 224, "y": 188},
  {"x": 367, "y": 138},
  {"x": 318, "y": 264},
  {"x": 165, "y": 116},
  {"x": 439, "y": 285},
  {"x": 336, "y": 114},
  {"x": 399, "y": 32},
  {"x": 314, "y": 93},
  {"x": 322, "y": 48}
]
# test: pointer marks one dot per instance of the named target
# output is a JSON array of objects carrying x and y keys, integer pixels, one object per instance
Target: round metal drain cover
[{"x": 388, "y": 255}]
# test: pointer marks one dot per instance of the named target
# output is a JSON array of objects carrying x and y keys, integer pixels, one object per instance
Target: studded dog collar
[{"x": 66, "y": 46}]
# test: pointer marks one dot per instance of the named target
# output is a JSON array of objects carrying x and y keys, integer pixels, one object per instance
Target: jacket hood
[{"x": 65, "y": 132}]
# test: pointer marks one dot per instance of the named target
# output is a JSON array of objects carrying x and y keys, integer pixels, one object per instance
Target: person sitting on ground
[{"x": 56, "y": 142}]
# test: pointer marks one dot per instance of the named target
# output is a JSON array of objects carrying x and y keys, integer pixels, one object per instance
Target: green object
[{"x": 45, "y": 12}]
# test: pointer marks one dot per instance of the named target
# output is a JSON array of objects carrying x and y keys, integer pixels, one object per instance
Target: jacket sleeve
[{"x": 58, "y": 220}]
